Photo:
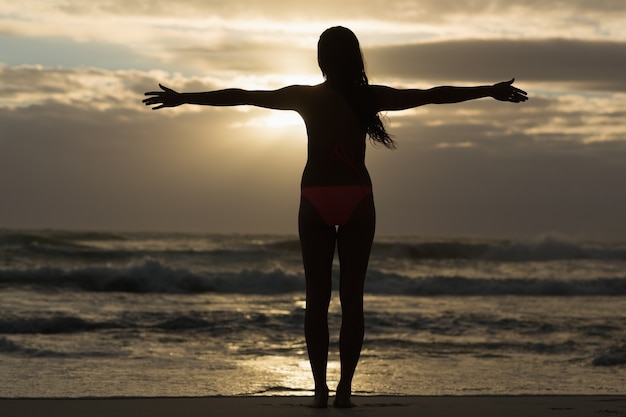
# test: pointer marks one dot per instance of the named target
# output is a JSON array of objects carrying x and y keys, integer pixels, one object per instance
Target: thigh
[
  {"x": 354, "y": 242},
  {"x": 317, "y": 241}
]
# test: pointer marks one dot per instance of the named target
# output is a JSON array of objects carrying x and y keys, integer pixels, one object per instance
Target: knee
[
  {"x": 352, "y": 306},
  {"x": 351, "y": 295},
  {"x": 317, "y": 307},
  {"x": 317, "y": 302}
]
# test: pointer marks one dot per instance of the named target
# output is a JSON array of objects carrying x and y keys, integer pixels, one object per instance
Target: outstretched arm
[
  {"x": 394, "y": 99},
  {"x": 286, "y": 98}
]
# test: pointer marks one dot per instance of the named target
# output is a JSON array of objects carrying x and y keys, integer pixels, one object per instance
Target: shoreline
[{"x": 374, "y": 406}]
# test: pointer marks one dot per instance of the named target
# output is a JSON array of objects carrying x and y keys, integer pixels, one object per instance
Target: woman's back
[{"x": 336, "y": 140}]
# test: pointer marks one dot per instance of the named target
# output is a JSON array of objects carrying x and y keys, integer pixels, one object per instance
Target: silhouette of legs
[
  {"x": 317, "y": 240},
  {"x": 354, "y": 242}
]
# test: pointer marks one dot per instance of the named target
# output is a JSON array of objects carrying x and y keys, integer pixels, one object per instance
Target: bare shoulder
[
  {"x": 307, "y": 95},
  {"x": 298, "y": 92},
  {"x": 311, "y": 90},
  {"x": 292, "y": 97},
  {"x": 301, "y": 88}
]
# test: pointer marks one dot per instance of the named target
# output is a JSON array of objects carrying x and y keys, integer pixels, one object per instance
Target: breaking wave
[{"x": 154, "y": 277}]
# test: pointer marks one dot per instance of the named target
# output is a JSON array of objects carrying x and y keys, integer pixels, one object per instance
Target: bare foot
[
  {"x": 343, "y": 403},
  {"x": 320, "y": 400},
  {"x": 342, "y": 397}
]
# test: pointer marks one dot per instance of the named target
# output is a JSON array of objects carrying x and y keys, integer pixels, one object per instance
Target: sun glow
[
  {"x": 279, "y": 119},
  {"x": 275, "y": 119}
]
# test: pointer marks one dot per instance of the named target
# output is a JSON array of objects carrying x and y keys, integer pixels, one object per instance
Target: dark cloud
[
  {"x": 64, "y": 166},
  {"x": 506, "y": 185},
  {"x": 596, "y": 65}
]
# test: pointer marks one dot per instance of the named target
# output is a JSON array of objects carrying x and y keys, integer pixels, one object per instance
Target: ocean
[{"x": 97, "y": 314}]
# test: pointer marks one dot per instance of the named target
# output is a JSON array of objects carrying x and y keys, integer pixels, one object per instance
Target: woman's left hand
[{"x": 165, "y": 98}]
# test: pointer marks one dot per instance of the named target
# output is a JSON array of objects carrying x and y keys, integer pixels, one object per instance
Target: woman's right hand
[{"x": 505, "y": 91}]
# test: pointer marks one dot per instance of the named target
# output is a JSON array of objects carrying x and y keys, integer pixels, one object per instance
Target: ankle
[
  {"x": 320, "y": 400},
  {"x": 344, "y": 389},
  {"x": 342, "y": 398}
]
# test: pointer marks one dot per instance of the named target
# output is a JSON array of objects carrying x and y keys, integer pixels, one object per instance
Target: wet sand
[{"x": 374, "y": 406}]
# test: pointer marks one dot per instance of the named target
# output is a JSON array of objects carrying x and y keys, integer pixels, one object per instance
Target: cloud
[
  {"x": 580, "y": 64},
  {"x": 569, "y": 118},
  {"x": 424, "y": 40},
  {"x": 323, "y": 9},
  {"x": 146, "y": 27},
  {"x": 579, "y": 117},
  {"x": 78, "y": 149},
  {"x": 95, "y": 88}
]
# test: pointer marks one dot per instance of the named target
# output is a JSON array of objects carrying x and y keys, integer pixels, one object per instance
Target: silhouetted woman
[{"x": 336, "y": 203}]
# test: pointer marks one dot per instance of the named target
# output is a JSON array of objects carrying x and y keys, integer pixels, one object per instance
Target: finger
[
  {"x": 520, "y": 91},
  {"x": 165, "y": 88},
  {"x": 153, "y": 93},
  {"x": 158, "y": 107}
]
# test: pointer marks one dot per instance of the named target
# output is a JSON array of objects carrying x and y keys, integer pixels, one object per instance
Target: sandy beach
[{"x": 397, "y": 406}]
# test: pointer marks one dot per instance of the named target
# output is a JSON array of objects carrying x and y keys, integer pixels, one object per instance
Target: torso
[{"x": 336, "y": 141}]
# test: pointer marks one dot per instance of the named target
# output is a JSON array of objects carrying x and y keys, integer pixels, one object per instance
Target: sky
[{"x": 79, "y": 151}]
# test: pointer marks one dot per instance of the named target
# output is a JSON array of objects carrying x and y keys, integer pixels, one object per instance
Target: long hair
[{"x": 340, "y": 59}]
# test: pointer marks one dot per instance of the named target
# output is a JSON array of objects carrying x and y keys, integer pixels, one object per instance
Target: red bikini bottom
[{"x": 336, "y": 203}]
